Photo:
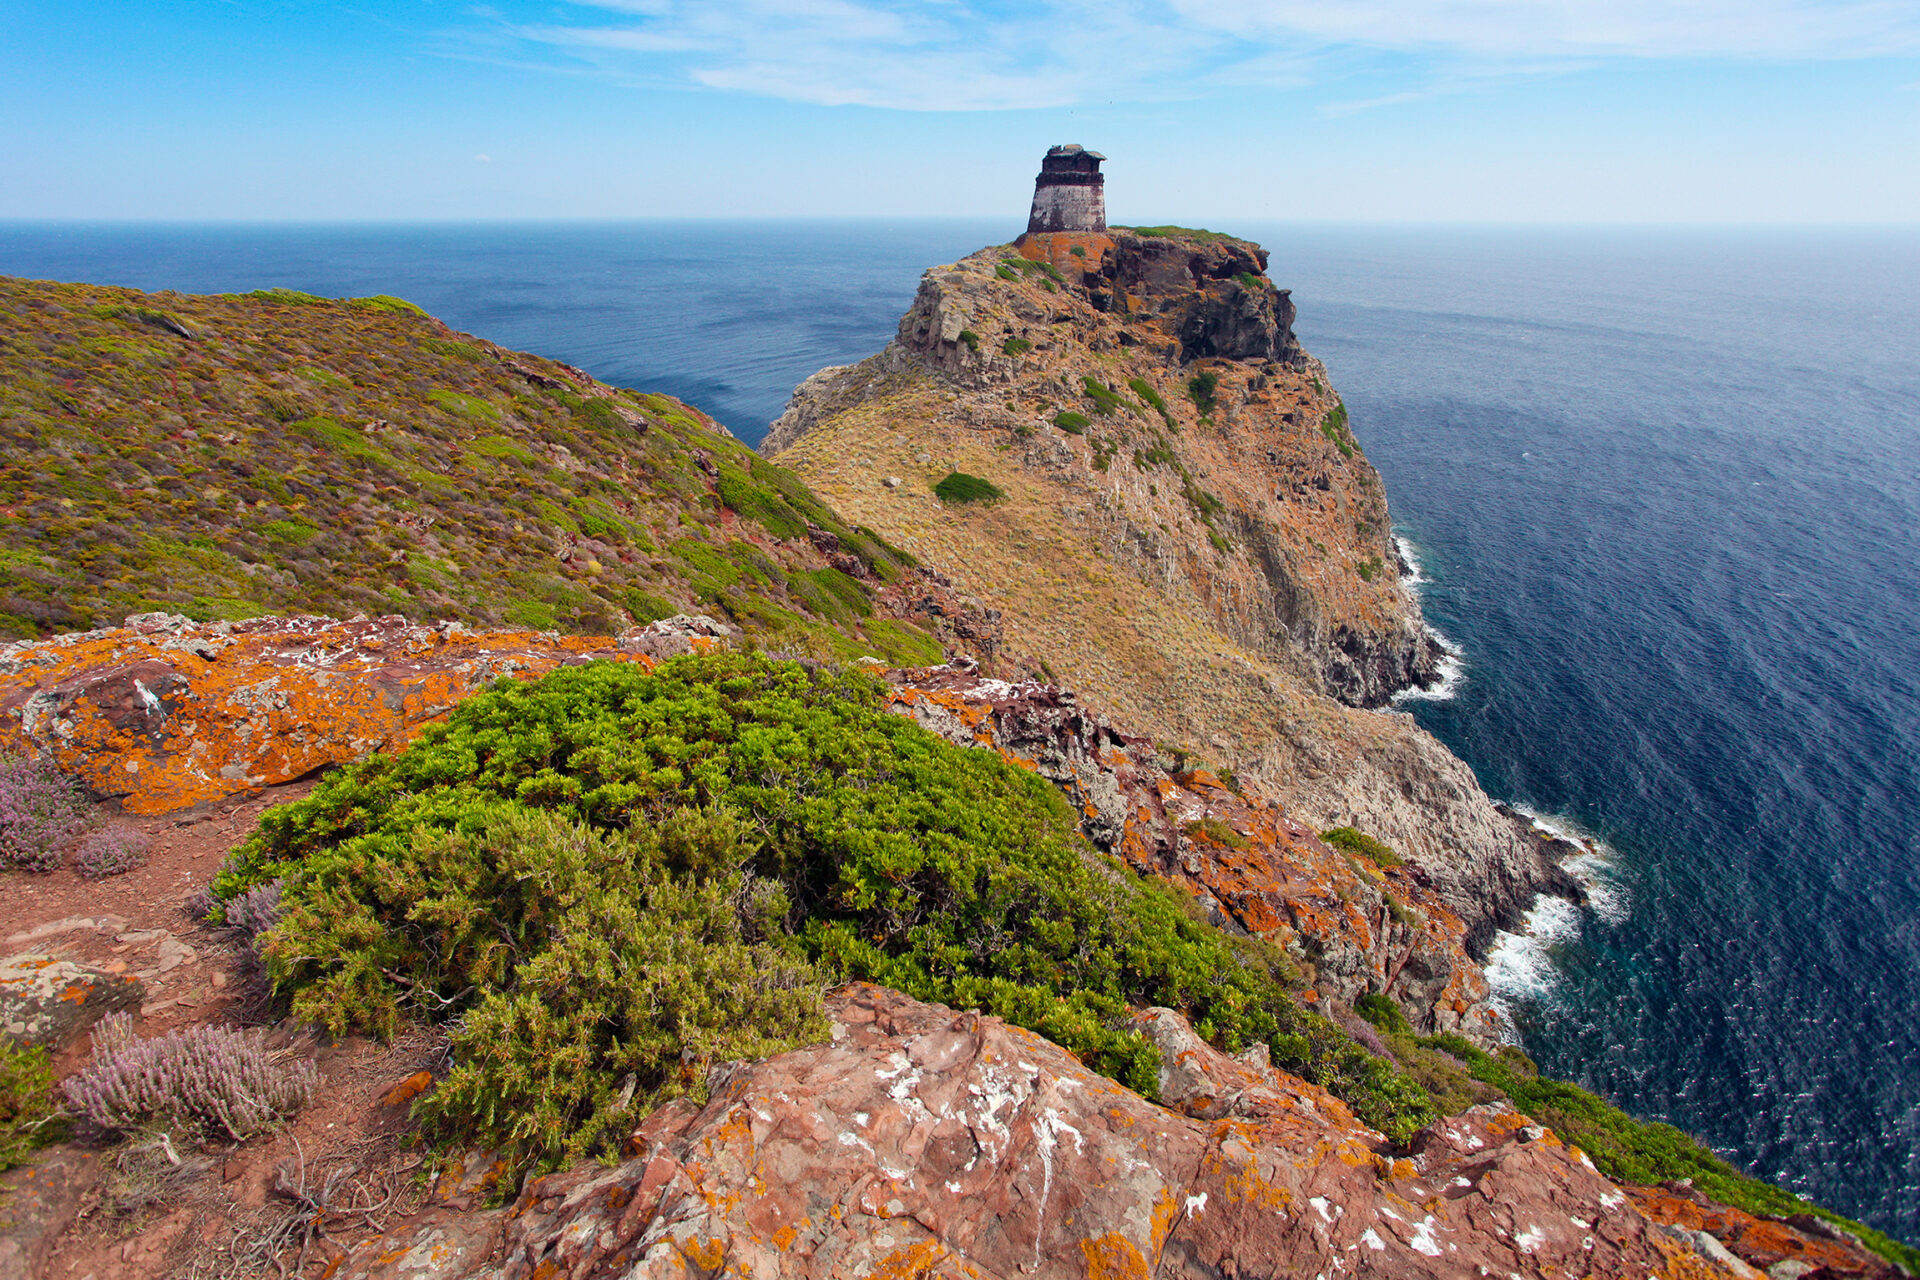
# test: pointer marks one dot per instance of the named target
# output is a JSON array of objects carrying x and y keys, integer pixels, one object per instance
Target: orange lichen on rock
[
  {"x": 165, "y": 714},
  {"x": 1056, "y": 248}
]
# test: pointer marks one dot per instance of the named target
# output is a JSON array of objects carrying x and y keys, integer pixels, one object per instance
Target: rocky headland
[
  {"x": 1164, "y": 654},
  {"x": 1189, "y": 536}
]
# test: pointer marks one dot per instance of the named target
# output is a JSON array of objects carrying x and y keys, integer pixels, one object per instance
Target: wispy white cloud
[
  {"x": 972, "y": 55},
  {"x": 1797, "y": 29}
]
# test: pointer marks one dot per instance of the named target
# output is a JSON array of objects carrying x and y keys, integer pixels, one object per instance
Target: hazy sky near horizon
[{"x": 1768, "y": 111}]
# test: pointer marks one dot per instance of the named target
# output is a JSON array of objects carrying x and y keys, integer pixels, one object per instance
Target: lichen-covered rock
[
  {"x": 1356, "y": 927},
  {"x": 166, "y": 713},
  {"x": 49, "y": 1001},
  {"x": 921, "y": 1142}
]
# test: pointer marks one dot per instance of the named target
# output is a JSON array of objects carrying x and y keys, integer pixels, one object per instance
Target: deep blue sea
[{"x": 1664, "y": 486}]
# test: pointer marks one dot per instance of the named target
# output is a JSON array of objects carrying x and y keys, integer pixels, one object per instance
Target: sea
[{"x": 1662, "y": 489}]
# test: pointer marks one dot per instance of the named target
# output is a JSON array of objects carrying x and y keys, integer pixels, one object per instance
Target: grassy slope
[{"x": 236, "y": 455}]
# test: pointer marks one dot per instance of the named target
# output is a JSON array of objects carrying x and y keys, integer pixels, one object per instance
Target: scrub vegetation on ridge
[
  {"x": 609, "y": 879},
  {"x": 278, "y": 452}
]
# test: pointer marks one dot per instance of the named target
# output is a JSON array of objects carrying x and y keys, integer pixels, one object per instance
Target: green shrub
[
  {"x": 1359, "y": 842},
  {"x": 465, "y": 406},
  {"x": 458, "y": 350},
  {"x": 1006, "y": 272},
  {"x": 502, "y": 447},
  {"x": 959, "y": 487},
  {"x": 754, "y": 502},
  {"x": 28, "y": 1115},
  {"x": 647, "y": 607},
  {"x": 1217, "y": 831},
  {"x": 1382, "y": 1013},
  {"x": 289, "y": 533},
  {"x": 1334, "y": 428},
  {"x": 1015, "y": 347},
  {"x": 1072, "y": 423},
  {"x": 611, "y": 873},
  {"x": 971, "y": 338},
  {"x": 1251, "y": 282},
  {"x": 1201, "y": 388},
  {"x": 1370, "y": 568},
  {"x": 386, "y": 303},
  {"x": 532, "y": 615},
  {"x": 831, "y": 594},
  {"x": 290, "y": 298},
  {"x": 1105, "y": 399},
  {"x": 1078, "y": 251},
  {"x": 1145, "y": 390}
]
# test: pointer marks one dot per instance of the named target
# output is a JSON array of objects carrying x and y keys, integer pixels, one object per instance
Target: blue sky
[{"x": 1771, "y": 111}]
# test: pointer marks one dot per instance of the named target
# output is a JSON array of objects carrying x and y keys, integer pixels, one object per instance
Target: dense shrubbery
[{"x": 707, "y": 844}]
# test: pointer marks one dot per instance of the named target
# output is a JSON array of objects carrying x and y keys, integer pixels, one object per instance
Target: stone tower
[{"x": 1071, "y": 193}]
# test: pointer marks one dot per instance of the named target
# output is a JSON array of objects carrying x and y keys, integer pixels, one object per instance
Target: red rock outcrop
[
  {"x": 1355, "y": 927},
  {"x": 166, "y": 713},
  {"x": 922, "y": 1142}
]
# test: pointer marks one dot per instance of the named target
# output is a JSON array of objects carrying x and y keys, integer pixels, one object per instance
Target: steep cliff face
[
  {"x": 1242, "y": 497},
  {"x": 1190, "y": 536}
]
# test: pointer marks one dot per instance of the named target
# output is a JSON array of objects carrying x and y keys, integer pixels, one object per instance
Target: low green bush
[
  {"x": 1145, "y": 390},
  {"x": 1072, "y": 423},
  {"x": 1201, "y": 388},
  {"x": 609, "y": 878},
  {"x": 28, "y": 1114},
  {"x": 1334, "y": 428},
  {"x": 1105, "y": 399},
  {"x": 290, "y": 297},
  {"x": 386, "y": 303},
  {"x": 1359, "y": 842},
  {"x": 758, "y": 503},
  {"x": 971, "y": 338},
  {"x": 1015, "y": 347},
  {"x": 959, "y": 487}
]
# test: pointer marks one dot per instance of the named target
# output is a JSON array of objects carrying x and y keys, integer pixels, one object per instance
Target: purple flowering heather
[
  {"x": 217, "y": 1078},
  {"x": 111, "y": 851},
  {"x": 40, "y": 810}
]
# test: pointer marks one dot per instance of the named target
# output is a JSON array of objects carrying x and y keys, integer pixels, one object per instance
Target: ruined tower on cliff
[{"x": 1071, "y": 193}]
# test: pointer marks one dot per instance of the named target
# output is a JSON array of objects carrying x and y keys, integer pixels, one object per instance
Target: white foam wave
[
  {"x": 1520, "y": 967},
  {"x": 1453, "y": 664},
  {"x": 1453, "y": 674},
  {"x": 1415, "y": 576}
]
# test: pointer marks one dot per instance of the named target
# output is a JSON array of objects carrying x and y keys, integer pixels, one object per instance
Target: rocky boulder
[
  {"x": 165, "y": 713},
  {"x": 50, "y": 1001},
  {"x": 921, "y": 1142}
]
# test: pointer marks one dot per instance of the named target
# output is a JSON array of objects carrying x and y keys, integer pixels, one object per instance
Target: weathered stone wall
[{"x": 1068, "y": 208}]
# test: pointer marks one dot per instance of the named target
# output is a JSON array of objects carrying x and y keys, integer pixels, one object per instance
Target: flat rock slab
[{"x": 49, "y": 1001}]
